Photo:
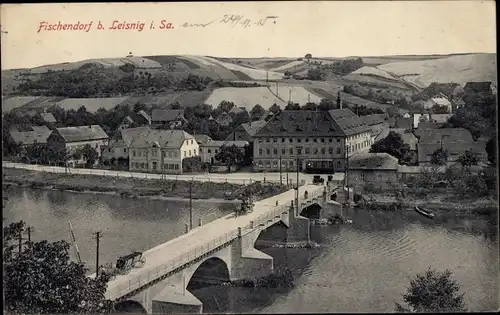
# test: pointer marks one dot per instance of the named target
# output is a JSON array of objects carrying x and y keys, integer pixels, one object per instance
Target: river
[{"x": 363, "y": 267}]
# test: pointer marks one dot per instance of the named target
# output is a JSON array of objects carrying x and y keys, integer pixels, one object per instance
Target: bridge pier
[{"x": 175, "y": 300}]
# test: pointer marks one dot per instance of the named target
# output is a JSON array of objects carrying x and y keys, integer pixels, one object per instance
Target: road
[
  {"x": 187, "y": 247},
  {"x": 234, "y": 178}
]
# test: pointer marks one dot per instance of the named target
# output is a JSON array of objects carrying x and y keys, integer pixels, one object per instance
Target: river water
[{"x": 363, "y": 267}]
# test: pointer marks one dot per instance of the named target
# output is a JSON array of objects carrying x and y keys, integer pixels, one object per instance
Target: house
[
  {"x": 419, "y": 118},
  {"x": 118, "y": 146},
  {"x": 37, "y": 134},
  {"x": 161, "y": 151},
  {"x": 202, "y": 138},
  {"x": 377, "y": 123},
  {"x": 75, "y": 138},
  {"x": 246, "y": 131},
  {"x": 407, "y": 115},
  {"x": 208, "y": 124},
  {"x": 440, "y": 119},
  {"x": 317, "y": 139},
  {"x": 408, "y": 138},
  {"x": 454, "y": 140},
  {"x": 406, "y": 123},
  {"x": 378, "y": 170},
  {"x": 209, "y": 149},
  {"x": 169, "y": 118},
  {"x": 486, "y": 87},
  {"x": 224, "y": 119},
  {"x": 141, "y": 118},
  {"x": 438, "y": 100},
  {"x": 48, "y": 118}
]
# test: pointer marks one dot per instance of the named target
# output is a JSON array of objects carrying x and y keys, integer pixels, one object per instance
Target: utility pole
[
  {"x": 97, "y": 237},
  {"x": 20, "y": 241},
  {"x": 297, "y": 193},
  {"x": 29, "y": 229},
  {"x": 281, "y": 176},
  {"x": 289, "y": 96},
  {"x": 191, "y": 206},
  {"x": 346, "y": 166},
  {"x": 309, "y": 98},
  {"x": 277, "y": 91}
]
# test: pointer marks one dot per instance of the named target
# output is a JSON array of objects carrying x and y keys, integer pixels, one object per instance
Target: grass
[
  {"x": 91, "y": 104},
  {"x": 458, "y": 69},
  {"x": 254, "y": 74},
  {"x": 374, "y": 72},
  {"x": 244, "y": 97},
  {"x": 132, "y": 187},
  {"x": 10, "y": 103}
]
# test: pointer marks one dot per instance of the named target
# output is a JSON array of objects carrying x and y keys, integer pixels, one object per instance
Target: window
[
  {"x": 338, "y": 140},
  {"x": 109, "y": 149},
  {"x": 164, "y": 153},
  {"x": 171, "y": 154},
  {"x": 299, "y": 151},
  {"x": 154, "y": 166},
  {"x": 291, "y": 163},
  {"x": 267, "y": 140},
  {"x": 176, "y": 166},
  {"x": 330, "y": 140},
  {"x": 139, "y": 153},
  {"x": 283, "y": 151},
  {"x": 275, "y": 163},
  {"x": 268, "y": 151},
  {"x": 338, "y": 164},
  {"x": 194, "y": 151},
  {"x": 306, "y": 150},
  {"x": 275, "y": 140},
  {"x": 184, "y": 153},
  {"x": 260, "y": 152},
  {"x": 307, "y": 139},
  {"x": 191, "y": 141},
  {"x": 330, "y": 150},
  {"x": 299, "y": 140},
  {"x": 210, "y": 150},
  {"x": 282, "y": 139},
  {"x": 338, "y": 150},
  {"x": 315, "y": 150},
  {"x": 315, "y": 140},
  {"x": 216, "y": 150},
  {"x": 154, "y": 152},
  {"x": 291, "y": 140},
  {"x": 201, "y": 150},
  {"x": 97, "y": 145},
  {"x": 322, "y": 140},
  {"x": 291, "y": 150},
  {"x": 189, "y": 152},
  {"x": 275, "y": 151},
  {"x": 323, "y": 151}
]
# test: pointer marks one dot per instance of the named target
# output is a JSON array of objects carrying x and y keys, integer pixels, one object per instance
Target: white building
[{"x": 161, "y": 151}]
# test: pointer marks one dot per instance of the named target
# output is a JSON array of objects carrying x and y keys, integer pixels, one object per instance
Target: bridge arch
[
  {"x": 210, "y": 271},
  {"x": 130, "y": 306},
  {"x": 312, "y": 211}
]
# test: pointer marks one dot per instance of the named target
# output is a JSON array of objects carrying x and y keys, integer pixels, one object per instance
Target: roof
[
  {"x": 338, "y": 122},
  {"x": 163, "y": 138},
  {"x": 410, "y": 139},
  {"x": 252, "y": 127},
  {"x": 374, "y": 119},
  {"x": 237, "y": 110},
  {"x": 428, "y": 125},
  {"x": 380, "y": 161},
  {"x": 448, "y": 135},
  {"x": 127, "y": 135},
  {"x": 48, "y": 117},
  {"x": 455, "y": 149},
  {"x": 202, "y": 138},
  {"x": 440, "y": 118},
  {"x": 166, "y": 115},
  {"x": 40, "y": 128},
  {"x": 218, "y": 143},
  {"x": 441, "y": 101},
  {"x": 30, "y": 137},
  {"x": 82, "y": 133},
  {"x": 141, "y": 117},
  {"x": 405, "y": 123}
]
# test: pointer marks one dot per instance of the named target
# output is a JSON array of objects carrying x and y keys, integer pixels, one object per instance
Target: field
[
  {"x": 10, "y": 103},
  {"x": 373, "y": 72},
  {"x": 376, "y": 82},
  {"x": 91, "y": 104},
  {"x": 245, "y": 97},
  {"x": 184, "y": 98},
  {"x": 458, "y": 69}
]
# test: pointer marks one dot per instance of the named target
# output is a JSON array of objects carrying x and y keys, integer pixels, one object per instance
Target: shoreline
[{"x": 135, "y": 188}]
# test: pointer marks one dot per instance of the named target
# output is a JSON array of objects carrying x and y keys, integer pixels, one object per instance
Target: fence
[
  {"x": 100, "y": 172},
  {"x": 159, "y": 271}
]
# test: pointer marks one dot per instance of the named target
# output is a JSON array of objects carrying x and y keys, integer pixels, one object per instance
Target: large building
[
  {"x": 209, "y": 149},
  {"x": 118, "y": 147},
  {"x": 161, "y": 151},
  {"x": 316, "y": 139},
  {"x": 75, "y": 138},
  {"x": 246, "y": 131}
]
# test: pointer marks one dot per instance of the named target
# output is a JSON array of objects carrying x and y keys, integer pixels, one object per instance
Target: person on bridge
[{"x": 306, "y": 194}]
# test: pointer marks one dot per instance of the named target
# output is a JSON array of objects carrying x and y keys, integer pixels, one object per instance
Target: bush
[{"x": 192, "y": 164}]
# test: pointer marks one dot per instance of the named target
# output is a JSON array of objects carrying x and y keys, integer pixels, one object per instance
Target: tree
[
  {"x": 89, "y": 154},
  {"x": 339, "y": 100},
  {"x": 139, "y": 106},
  {"x": 308, "y": 57},
  {"x": 192, "y": 164},
  {"x": 43, "y": 279},
  {"x": 394, "y": 145},
  {"x": 230, "y": 155},
  {"x": 433, "y": 292},
  {"x": 326, "y": 104},
  {"x": 310, "y": 106},
  {"x": 491, "y": 149},
  {"x": 274, "y": 108},
  {"x": 439, "y": 157},
  {"x": 292, "y": 106},
  {"x": 226, "y": 106},
  {"x": 256, "y": 112},
  {"x": 316, "y": 74},
  {"x": 468, "y": 158}
]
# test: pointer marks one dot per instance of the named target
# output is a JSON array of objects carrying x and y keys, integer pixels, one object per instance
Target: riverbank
[
  {"x": 136, "y": 187},
  {"x": 437, "y": 202}
]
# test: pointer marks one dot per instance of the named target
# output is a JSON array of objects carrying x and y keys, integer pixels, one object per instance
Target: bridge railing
[{"x": 155, "y": 272}]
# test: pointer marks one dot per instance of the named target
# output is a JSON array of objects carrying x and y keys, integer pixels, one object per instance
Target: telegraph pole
[
  {"x": 97, "y": 237},
  {"x": 191, "y": 206},
  {"x": 20, "y": 241},
  {"x": 29, "y": 230},
  {"x": 289, "y": 96},
  {"x": 281, "y": 176},
  {"x": 297, "y": 193},
  {"x": 277, "y": 92}
]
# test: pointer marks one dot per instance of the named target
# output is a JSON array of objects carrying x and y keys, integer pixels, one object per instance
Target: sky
[{"x": 322, "y": 28}]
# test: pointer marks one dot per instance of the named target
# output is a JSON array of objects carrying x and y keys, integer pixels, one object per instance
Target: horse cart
[{"x": 124, "y": 264}]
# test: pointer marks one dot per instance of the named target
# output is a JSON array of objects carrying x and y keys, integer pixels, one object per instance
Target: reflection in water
[{"x": 363, "y": 267}]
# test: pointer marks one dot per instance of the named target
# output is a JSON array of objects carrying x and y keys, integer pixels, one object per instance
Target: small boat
[{"x": 424, "y": 212}]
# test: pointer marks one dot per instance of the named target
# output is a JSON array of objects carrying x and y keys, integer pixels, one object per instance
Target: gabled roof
[
  {"x": 162, "y": 138},
  {"x": 338, "y": 122},
  {"x": 447, "y": 134},
  {"x": 127, "y": 135},
  {"x": 202, "y": 138},
  {"x": 441, "y": 101},
  {"x": 237, "y": 110},
  {"x": 374, "y": 119},
  {"x": 218, "y": 144},
  {"x": 406, "y": 123},
  {"x": 82, "y": 133},
  {"x": 48, "y": 117},
  {"x": 455, "y": 149},
  {"x": 252, "y": 127},
  {"x": 371, "y": 161},
  {"x": 167, "y": 115},
  {"x": 30, "y": 137},
  {"x": 41, "y": 128}
]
